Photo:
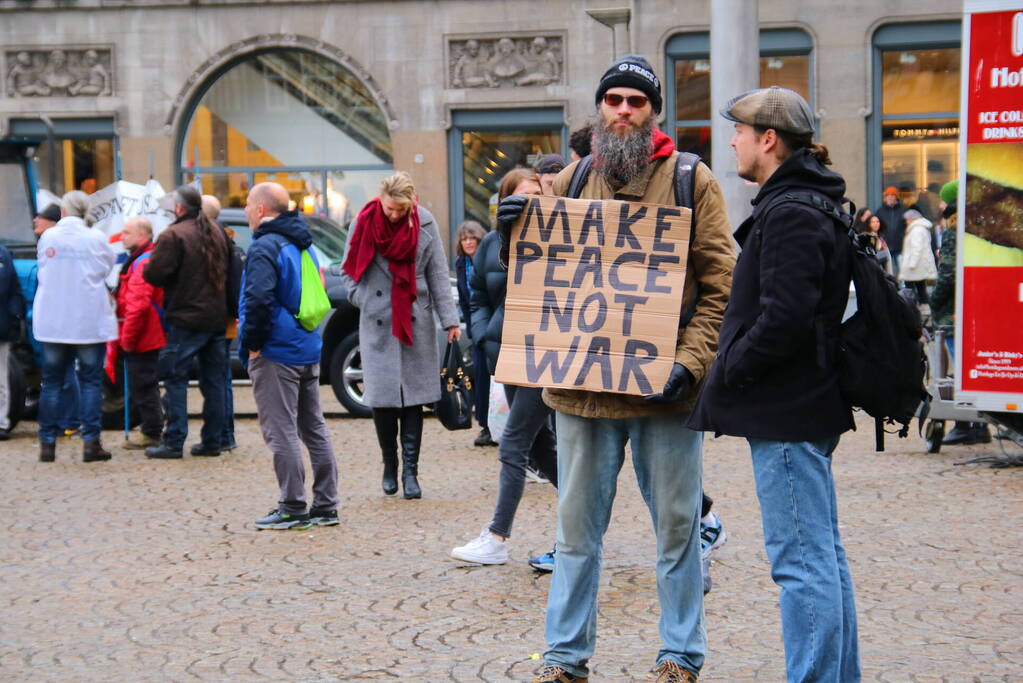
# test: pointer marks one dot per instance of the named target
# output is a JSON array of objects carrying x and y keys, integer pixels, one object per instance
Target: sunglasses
[{"x": 635, "y": 101}]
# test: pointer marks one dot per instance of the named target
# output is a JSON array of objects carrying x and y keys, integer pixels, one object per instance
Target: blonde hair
[{"x": 399, "y": 187}]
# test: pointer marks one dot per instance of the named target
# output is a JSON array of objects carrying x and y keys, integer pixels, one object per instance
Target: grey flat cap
[{"x": 774, "y": 107}]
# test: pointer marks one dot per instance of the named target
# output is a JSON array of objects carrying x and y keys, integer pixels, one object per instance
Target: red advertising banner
[{"x": 990, "y": 318}]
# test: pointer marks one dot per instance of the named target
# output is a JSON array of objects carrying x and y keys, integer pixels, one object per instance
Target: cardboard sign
[{"x": 594, "y": 295}]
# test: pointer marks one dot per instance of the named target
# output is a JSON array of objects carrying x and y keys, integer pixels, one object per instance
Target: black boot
[
  {"x": 47, "y": 452},
  {"x": 980, "y": 432},
  {"x": 92, "y": 451},
  {"x": 386, "y": 422},
  {"x": 960, "y": 435},
  {"x": 411, "y": 438}
]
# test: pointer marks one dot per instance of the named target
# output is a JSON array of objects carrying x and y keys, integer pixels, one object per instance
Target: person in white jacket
[
  {"x": 73, "y": 317},
  {"x": 918, "y": 266}
]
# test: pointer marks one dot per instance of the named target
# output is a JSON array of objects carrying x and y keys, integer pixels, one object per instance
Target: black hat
[
  {"x": 632, "y": 71},
  {"x": 50, "y": 213},
  {"x": 551, "y": 163}
]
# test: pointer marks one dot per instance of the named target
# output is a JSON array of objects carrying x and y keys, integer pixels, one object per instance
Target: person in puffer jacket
[
  {"x": 140, "y": 333},
  {"x": 283, "y": 360},
  {"x": 917, "y": 267}
]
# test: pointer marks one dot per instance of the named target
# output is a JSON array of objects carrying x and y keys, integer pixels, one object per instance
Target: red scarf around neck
[{"x": 397, "y": 243}]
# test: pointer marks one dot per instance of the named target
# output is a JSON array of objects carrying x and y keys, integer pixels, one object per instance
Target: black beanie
[{"x": 632, "y": 71}]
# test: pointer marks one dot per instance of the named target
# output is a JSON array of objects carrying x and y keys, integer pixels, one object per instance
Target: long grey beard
[{"x": 620, "y": 159}]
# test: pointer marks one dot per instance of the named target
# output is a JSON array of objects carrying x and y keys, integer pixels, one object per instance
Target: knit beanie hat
[
  {"x": 949, "y": 192},
  {"x": 632, "y": 71},
  {"x": 912, "y": 215}
]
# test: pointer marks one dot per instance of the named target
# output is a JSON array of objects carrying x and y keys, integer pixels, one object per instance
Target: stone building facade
[{"x": 329, "y": 96}]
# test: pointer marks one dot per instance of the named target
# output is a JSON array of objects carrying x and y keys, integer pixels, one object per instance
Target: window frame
[
  {"x": 774, "y": 42},
  {"x": 491, "y": 120},
  {"x": 895, "y": 37}
]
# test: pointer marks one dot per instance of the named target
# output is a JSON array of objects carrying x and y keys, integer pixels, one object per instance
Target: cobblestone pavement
[{"x": 141, "y": 570}]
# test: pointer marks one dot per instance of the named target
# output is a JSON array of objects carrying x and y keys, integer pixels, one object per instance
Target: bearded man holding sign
[{"x": 633, "y": 161}]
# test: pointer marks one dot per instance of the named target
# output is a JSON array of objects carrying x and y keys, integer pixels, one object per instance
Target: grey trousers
[{"x": 288, "y": 404}]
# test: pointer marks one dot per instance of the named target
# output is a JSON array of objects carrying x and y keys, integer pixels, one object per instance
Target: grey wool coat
[{"x": 396, "y": 375}]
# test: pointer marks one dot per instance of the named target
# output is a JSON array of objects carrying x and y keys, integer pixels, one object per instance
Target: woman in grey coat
[{"x": 396, "y": 273}]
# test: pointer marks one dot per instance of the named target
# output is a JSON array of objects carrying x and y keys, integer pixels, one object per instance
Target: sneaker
[
  {"x": 555, "y": 674},
  {"x": 670, "y": 671},
  {"x": 68, "y": 433},
  {"x": 276, "y": 519},
  {"x": 320, "y": 517},
  {"x": 484, "y": 438},
  {"x": 484, "y": 549},
  {"x": 535, "y": 476},
  {"x": 712, "y": 536},
  {"x": 138, "y": 441},
  {"x": 543, "y": 563}
]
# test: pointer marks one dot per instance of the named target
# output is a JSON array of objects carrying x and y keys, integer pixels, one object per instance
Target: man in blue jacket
[{"x": 283, "y": 361}]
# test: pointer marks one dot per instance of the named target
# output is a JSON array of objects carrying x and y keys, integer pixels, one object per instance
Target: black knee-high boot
[
  {"x": 386, "y": 422},
  {"x": 411, "y": 438}
]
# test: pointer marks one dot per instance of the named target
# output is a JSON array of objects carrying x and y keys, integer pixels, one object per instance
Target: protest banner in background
[
  {"x": 594, "y": 295},
  {"x": 116, "y": 203}
]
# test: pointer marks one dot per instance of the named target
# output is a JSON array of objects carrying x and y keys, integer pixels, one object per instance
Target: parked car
[{"x": 340, "y": 362}]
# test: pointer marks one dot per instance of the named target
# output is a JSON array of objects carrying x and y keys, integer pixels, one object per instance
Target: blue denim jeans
[
  {"x": 668, "y": 461},
  {"x": 57, "y": 358},
  {"x": 175, "y": 361},
  {"x": 800, "y": 517},
  {"x": 70, "y": 397}
]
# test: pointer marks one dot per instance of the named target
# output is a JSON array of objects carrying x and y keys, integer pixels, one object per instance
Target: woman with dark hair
[
  {"x": 468, "y": 238},
  {"x": 875, "y": 228},
  {"x": 528, "y": 435},
  {"x": 191, "y": 262},
  {"x": 396, "y": 274}
]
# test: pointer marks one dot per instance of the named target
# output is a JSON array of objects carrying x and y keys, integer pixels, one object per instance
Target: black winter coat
[
  {"x": 894, "y": 227},
  {"x": 488, "y": 284},
  {"x": 774, "y": 375},
  {"x": 12, "y": 303}
]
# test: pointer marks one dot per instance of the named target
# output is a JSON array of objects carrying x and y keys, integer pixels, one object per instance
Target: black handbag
[{"x": 454, "y": 409}]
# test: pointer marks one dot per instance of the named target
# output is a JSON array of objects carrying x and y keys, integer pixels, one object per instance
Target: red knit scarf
[{"x": 397, "y": 243}]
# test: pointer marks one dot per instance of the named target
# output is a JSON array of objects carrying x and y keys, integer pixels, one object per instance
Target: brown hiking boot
[
  {"x": 670, "y": 671},
  {"x": 138, "y": 441},
  {"x": 92, "y": 451},
  {"x": 555, "y": 674}
]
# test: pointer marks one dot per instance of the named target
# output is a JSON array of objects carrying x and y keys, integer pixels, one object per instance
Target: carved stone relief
[
  {"x": 67, "y": 72},
  {"x": 505, "y": 61}
]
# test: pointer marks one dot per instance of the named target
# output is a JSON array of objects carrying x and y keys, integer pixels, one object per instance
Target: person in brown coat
[
  {"x": 191, "y": 262},
  {"x": 634, "y": 161}
]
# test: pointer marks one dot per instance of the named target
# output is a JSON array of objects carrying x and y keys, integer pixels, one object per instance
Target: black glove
[
  {"x": 680, "y": 381},
  {"x": 508, "y": 211}
]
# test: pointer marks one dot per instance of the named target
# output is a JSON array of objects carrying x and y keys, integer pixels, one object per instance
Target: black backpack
[{"x": 881, "y": 359}]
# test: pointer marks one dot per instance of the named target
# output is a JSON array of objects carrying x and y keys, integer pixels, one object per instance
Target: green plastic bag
[{"x": 314, "y": 304}]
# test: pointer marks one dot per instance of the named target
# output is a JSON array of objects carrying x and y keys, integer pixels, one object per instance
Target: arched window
[{"x": 293, "y": 117}]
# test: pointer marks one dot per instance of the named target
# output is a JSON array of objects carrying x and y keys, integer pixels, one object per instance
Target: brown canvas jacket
[{"x": 711, "y": 261}]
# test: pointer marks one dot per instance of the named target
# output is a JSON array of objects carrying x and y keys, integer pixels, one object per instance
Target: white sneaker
[
  {"x": 484, "y": 549},
  {"x": 535, "y": 476}
]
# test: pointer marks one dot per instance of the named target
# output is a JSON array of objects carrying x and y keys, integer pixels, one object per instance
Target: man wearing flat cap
[
  {"x": 633, "y": 161},
  {"x": 774, "y": 381}
]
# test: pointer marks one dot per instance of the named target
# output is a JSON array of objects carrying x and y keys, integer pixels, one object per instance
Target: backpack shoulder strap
[
  {"x": 685, "y": 180},
  {"x": 579, "y": 177}
]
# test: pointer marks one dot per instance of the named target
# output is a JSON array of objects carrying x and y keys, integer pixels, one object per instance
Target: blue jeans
[
  {"x": 175, "y": 361},
  {"x": 667, "y": 458},
  {"x": 800, "y": 518},
  {"x": 57, "y": 358},
  {"x": 227, "y": 438},
  {"x": 70, "y": 397}
]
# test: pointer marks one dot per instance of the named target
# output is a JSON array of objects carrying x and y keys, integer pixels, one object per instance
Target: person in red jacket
[{"x": 140, "y": 333}]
